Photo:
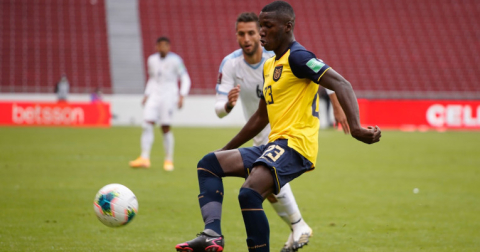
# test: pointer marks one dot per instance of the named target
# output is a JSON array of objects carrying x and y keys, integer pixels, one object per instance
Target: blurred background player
[
  {"x": 241, "y": 75},
  {"x": 96, "y": 95},
  {"x": 62, "y": 88},
  {"x": 162, "y": 94}
]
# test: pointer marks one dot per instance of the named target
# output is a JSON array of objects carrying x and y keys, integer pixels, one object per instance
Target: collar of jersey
[
  {"x": 254, "y": 66},
  {"x": 283, "y": 54},
  {"x": 160, "y": 56}
]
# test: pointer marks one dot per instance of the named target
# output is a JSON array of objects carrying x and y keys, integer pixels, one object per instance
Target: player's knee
[
  {"x": 165, "y": 129},
  {"x": 209, "y": 165},
  {"x": 272, "y": 198},
  {"x": 147, "y": 125},
  {"x": 243, "y": 195},
  {"x": 249, "y": 198}
]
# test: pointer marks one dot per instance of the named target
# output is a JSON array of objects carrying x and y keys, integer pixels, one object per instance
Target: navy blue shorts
[{"x": 284, "y": 162}]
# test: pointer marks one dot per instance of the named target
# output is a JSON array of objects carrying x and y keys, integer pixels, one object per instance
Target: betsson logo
[
  {"x": 453, "y": 116},
  {"x": 47, "y": 115}
]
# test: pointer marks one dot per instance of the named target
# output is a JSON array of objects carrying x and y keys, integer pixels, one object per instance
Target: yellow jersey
[{"x": 290, "y": 91}]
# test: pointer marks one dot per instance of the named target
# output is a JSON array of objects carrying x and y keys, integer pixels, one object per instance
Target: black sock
[
  {"x": 210, "y": 198},
  {"x": 256, "y": 223}
]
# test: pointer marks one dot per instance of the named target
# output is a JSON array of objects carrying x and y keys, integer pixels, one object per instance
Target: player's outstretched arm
[
  {"x": 344, "y": 91},
  {"x": 255, "y": 125}
]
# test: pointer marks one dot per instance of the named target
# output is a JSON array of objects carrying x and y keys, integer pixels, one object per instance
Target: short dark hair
[
  {"x": 163, "y": 38},
  {"x": 246, "y": 17},
  {"x": 282, "y": 8}
]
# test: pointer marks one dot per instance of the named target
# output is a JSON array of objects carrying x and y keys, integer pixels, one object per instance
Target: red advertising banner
[
  {"x": 421, "y": 114},
  {"x": 96, "y": 114}
]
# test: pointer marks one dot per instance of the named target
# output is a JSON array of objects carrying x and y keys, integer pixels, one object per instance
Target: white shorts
[{"x": 159, "y": 110}]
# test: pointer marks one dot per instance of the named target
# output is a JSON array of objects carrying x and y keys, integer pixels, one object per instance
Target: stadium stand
[
  {"x": 387, "y": 49},
  {"x": 42, "y": 39}
]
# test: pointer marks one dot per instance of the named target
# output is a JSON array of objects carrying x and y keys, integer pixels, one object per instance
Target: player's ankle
[
  {"x": 210, "y": 232},
  {"x": 295, "y": 218}
]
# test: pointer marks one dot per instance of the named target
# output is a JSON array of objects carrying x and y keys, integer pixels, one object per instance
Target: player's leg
[
  {"x": 210, "y": 170},
  {"x": 259, "y": 184},
  {"x": 168, "y": 146},
  {"x": 262, "y": 139},
  {"x": 150, "y": 115},
  {"x": 146, "y": 142},
  {"x": 279, "y": 209},
  {"x": 286, "y": 206},
  {"x": 167, "y": 108},
  {"x": 286, "y": 164}
]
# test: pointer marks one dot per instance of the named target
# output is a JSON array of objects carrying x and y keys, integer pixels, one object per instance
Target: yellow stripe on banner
[
  {"x": 252, "y": 209},
  {"x": 323, "y": 74},
  {"x": 202, "y": 169}
]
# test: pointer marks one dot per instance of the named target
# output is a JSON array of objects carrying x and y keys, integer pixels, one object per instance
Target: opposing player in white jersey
[
  {"x": 162, "y": 95},
  {"x": 241, "y": 75}
]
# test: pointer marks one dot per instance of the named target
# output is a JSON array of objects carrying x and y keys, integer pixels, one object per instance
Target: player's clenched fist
[
  {"x": 369, "y": 135},
  {"x": 232, "y": 98}
]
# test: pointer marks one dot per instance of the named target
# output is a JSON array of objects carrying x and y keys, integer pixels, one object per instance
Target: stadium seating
[
  {"x": 40, "y": 40},
  {"x": 386, "y": 49}
]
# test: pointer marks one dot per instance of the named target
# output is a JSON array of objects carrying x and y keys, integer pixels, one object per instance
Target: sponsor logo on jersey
[
  {"x": 219, "y": 78},
  {"x": 315, "y": 65},
  {"x": 277, "y": 73}
]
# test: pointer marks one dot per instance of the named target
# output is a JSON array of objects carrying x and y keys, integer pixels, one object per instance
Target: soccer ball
[{"x": 115, "y": 205}]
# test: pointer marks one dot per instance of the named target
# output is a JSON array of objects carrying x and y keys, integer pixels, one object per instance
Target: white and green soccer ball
[{"x": 115, "y": 205}]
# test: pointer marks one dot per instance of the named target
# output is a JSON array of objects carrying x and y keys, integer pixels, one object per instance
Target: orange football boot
[
  {"x": 168, "y": 165},
  {"x": 140, "y": 162}
]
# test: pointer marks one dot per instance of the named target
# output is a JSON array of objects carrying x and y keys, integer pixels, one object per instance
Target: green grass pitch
[{"x": 360, "y": 197}]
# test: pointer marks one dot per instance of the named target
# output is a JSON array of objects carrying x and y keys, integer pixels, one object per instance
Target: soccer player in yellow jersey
[{"x": 289, "y": 103}]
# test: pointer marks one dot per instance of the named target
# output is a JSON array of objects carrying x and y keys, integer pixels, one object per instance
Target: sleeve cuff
[{"x": 318, "y": 80}]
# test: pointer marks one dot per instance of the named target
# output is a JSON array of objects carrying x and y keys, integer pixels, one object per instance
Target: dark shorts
[{"x": 284, "y": 162}]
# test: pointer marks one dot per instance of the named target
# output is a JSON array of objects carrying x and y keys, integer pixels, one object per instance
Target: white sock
[
  {"x": 168, "y": 145},
  {"x": 280, "y": 211},
  {"x": 147, "y": 139},
  {"x": 287, "y": 205}
]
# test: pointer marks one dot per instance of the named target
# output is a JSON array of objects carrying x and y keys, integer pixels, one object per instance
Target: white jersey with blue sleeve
[{"x": 233, "y": 71}]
